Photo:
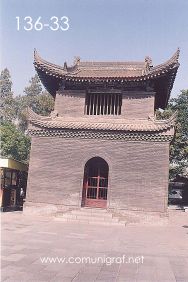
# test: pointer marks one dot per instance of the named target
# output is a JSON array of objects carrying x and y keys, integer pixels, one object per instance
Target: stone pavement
[{"x": 26, "y": 240}]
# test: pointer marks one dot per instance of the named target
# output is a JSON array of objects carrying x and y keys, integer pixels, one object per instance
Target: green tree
[
  {"x": 44, "y": 104},
  {"x": 14, "y": 143},
  {"x": 34, "y": 88},
  {"x": 32, "y": 92},
  {"x": 179, "y": 145},
  {"x": 41, "y": 102},
  {"x": 7, "y": 108}
]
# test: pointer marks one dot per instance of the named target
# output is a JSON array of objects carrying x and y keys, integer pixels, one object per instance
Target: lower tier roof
[{"x": 97, "y": 123}]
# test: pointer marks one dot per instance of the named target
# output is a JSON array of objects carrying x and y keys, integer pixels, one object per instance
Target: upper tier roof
[{"x": 119, "y": 74}]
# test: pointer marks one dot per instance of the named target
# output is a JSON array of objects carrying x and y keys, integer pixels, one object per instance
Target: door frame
[{"x": 95, "y": 202}]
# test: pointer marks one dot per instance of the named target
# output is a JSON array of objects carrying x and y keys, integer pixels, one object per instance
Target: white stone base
[{"x": 39, "y": 209}]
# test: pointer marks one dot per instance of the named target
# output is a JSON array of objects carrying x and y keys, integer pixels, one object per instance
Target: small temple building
[{"x": 102, "y": 145}]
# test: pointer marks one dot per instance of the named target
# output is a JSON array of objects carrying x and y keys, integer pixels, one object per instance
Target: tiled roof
[
  {"x": 85, "y": 70},
  {"x": 116, "y": 75},
  {"x": 96, "y": 123}
]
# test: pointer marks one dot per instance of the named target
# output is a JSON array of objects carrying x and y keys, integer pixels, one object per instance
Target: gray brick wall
[
  {"x": 71, "y": 103},
  {"x": 138, "y": 172},
  {"x": 138, "y": 105}
]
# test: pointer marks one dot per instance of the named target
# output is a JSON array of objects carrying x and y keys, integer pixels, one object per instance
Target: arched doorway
[{"x": 95, "y": 183}]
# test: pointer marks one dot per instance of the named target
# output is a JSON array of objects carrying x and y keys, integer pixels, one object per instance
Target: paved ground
[{"x": 26, "y": 239}]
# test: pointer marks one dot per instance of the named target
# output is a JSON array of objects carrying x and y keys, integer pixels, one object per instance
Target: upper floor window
[{"x": 103, "y": 103}]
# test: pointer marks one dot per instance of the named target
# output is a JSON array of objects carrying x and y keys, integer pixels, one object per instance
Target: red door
[{"x": 95, "y": 186}]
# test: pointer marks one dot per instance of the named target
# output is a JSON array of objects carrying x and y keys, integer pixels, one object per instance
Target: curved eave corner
[
  {"x": 51, "y": 76},
  {"x": 50, "y": 80},
  {"x": 33, "y": 117},
  {"x": 51, "y": 83},
  {"x": 158, "y": 126},
  {"x": 170, "y": 121}
]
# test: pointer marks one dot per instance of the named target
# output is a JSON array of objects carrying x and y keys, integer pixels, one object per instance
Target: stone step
[
  {"x": 109, "y": 223},
  {"x": 174, "y": 208},
  {"x": 86, "y": 217},
  {"x": 93, "y": 210},
  {"x": 88, "y": 213},
  {"x": 90, "y": 216}
]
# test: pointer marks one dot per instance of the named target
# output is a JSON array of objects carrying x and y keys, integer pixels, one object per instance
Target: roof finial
[
  {"x": 65, "y": 66},
  {"x": 76, "y": 60},
  {"x": 36, "y": 55},
  {"x": 148, "y": 63}
]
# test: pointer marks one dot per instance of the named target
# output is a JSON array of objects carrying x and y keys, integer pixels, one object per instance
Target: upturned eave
[
  {"x": 119, "y": 74},
  {"x": 95, "y": 123}
]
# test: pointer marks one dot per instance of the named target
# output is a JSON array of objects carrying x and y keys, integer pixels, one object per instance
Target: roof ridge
[{"x": 112, "y": 62}]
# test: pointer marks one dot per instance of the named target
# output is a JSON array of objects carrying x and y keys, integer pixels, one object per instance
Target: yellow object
[{"x": 12, "y": 164}]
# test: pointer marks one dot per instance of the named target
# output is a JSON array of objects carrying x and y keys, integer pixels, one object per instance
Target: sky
[{"x": 99, "y": 30}]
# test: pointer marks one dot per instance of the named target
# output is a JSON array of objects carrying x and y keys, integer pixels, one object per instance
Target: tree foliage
[
  {"x": 14, "y": 143},
  {"x": 7, "y": 106},
  {"x": 41, "y": 102},
  {"x": 34, "y": 88},
  {"x": 179, "y": 145}
]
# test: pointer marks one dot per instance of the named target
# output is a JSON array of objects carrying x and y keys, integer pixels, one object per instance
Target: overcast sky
[{"x": 100, "y": 30}]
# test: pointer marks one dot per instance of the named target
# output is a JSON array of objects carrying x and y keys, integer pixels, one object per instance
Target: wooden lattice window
[{"x": 103, "y": 104}]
